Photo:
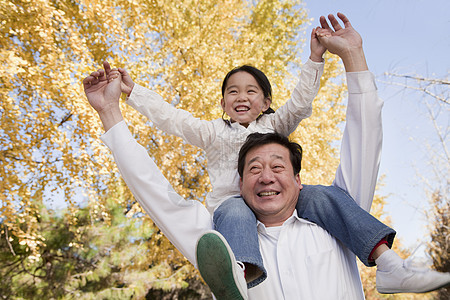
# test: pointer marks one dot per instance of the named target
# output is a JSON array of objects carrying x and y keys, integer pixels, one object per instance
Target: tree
[
  {"x": 94, "y": 260},
  {"x": 181, "y": 49},
  {"x": 439, "y": 227}
]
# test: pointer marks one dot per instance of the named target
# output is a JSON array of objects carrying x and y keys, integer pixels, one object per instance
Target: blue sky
[{"x": 406, "y": 37}]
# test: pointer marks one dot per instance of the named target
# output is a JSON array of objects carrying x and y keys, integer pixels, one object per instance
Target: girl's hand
[
  {"x": 317, "y": 49},
  {"x": 127, "y": 84}
]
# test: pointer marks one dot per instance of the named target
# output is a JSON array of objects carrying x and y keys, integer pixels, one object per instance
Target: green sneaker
[{"x": 219, "y": 269}]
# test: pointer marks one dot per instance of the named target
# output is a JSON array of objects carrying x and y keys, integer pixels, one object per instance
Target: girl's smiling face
[{"x": 243, "y": 100}]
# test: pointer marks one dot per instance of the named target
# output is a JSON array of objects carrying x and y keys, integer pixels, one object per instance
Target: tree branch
[
  {"x": 7, "y": 241},
  {"x": 430, "y": 81}
]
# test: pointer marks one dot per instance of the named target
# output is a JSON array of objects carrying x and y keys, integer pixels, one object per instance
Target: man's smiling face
[{"x": 268, "y": 184}]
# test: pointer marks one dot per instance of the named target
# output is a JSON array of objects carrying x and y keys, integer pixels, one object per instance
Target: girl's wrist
[
  {"x": 131, "y": 90},
  {"x": 316, "y": 58}
]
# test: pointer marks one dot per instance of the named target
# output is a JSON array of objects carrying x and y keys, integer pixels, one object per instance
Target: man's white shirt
[{"x": 304, "y": 262}]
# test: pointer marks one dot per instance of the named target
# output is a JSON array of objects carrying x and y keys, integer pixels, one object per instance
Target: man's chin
[{"x": 268, "y": 210}]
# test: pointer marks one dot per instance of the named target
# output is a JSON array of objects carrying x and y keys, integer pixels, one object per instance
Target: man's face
[{"x": 268, "y": 184}]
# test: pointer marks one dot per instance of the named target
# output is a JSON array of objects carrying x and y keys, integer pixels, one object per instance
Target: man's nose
[{"x": 266, "y": 176}]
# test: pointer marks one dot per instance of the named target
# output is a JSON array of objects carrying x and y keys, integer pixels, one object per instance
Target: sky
[{"x": 406, "y": 37}]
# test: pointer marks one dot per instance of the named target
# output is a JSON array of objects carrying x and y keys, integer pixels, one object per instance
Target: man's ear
[
  {"x": 240, "y": 185},
  {"x": 298, "y": 181}
]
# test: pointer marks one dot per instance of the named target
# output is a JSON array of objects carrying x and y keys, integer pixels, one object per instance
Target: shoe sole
[
  {"x": 381, "y": 291},
  {"x": 217, "y": 265}
]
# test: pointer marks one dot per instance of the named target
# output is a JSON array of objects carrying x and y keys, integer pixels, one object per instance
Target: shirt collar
[
  {"x": 237, "y": 125},
  {"x": 292, "y": 219}
]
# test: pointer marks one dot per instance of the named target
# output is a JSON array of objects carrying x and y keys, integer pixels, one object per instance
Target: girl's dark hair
[
  {"x": 259, "y": 76},
  {"x": 257, "y": 139}
]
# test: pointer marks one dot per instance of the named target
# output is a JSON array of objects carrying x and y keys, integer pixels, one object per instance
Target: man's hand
[
  {"x": 344, "y": 42},
  {"x": 102, "y": 88}
]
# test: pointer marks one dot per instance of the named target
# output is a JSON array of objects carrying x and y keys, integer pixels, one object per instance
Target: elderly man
[{"x": 303, "y": 260}]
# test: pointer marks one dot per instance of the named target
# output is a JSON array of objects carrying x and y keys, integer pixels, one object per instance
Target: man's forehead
[{"x": 268, "y": 152}]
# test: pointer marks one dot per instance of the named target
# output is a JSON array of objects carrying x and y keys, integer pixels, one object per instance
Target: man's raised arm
[
  {"x": 362, "y": 140},
  {"x": 183, "y": 222}
]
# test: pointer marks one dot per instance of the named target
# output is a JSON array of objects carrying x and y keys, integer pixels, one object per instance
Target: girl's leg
[
  {"x": 237, "y": 223},
  {"x": 335, "y": 211}
]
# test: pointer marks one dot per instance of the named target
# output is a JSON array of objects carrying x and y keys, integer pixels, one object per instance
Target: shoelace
[{"x": 418, "y": 264}]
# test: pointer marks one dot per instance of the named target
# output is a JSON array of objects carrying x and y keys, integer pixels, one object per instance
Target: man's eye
[{"x": 254, "y": 169}]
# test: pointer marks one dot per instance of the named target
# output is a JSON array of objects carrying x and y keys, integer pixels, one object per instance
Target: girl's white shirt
[{"x": 221, "y": 141}]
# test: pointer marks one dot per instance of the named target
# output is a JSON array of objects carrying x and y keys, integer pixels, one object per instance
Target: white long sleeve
[
  {"x": 182, "y": 221},
  {"x": 362, "y": 140}
]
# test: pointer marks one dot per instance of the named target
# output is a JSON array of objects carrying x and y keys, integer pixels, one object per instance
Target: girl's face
[{"x": 243, "y": 99}]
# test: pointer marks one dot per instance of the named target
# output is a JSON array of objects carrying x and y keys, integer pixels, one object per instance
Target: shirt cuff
[
  {"x": 142, "y": 97},
  {"x": 117, "y": 136},
  {"x": 360, "y": 82},
  {"x": 133, "y": 93},
  {"x": 314, "y": 64}
]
